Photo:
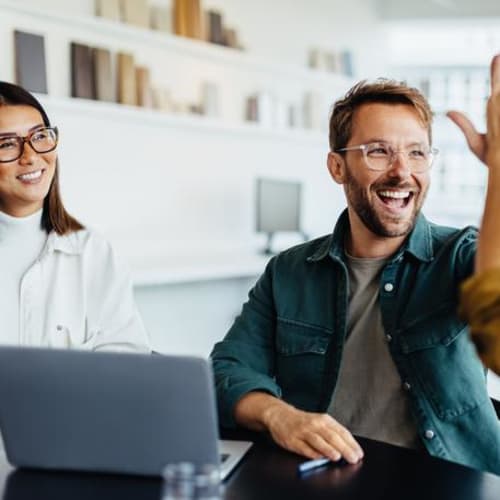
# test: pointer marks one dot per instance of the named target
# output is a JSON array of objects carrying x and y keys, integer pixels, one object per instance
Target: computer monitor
[{"x": 278, "y": 204}]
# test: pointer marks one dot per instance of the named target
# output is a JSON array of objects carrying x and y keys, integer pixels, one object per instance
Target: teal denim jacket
[{"x": 289, "y": 337}]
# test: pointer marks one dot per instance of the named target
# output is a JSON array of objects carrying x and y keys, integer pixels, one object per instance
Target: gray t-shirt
[{"x": 369, "y": 399}]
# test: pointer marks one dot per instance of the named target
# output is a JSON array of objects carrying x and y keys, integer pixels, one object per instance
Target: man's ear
[{"x": 336, "y": 167}]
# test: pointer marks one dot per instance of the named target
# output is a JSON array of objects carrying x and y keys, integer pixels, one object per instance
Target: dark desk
[{"x": 268, "y": 473}]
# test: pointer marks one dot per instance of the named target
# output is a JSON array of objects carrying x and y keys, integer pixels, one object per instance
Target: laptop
[{"x": 109, "y": 412}]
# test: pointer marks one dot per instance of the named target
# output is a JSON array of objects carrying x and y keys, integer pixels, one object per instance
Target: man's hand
[
  {"x": 475, "y": 140},
  {"x": 312, "y": 435},
  {"x": 484, "y": 146}
]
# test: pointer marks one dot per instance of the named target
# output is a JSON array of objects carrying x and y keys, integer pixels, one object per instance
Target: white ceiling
[{"x": 405, "y": 9}]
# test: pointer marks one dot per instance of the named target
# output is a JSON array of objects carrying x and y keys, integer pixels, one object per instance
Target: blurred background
[{"x": 194, "y": 132}]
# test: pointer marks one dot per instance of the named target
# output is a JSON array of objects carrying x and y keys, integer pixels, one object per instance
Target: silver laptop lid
[{"x": 109, "y": 412}]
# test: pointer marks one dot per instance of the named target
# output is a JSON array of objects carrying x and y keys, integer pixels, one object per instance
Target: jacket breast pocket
[
  {"x": 443, "y": 358},
  {"x": 300, "y": 361}
]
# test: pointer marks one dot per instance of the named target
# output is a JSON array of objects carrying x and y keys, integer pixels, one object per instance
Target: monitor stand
[{"x": 267, "y": 250}]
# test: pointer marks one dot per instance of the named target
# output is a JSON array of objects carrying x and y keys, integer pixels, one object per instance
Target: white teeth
[
  {"x": 394, "y": 194},
  {"x": 31, "y": 176}
]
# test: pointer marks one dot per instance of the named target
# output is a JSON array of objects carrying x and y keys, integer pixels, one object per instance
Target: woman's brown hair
[{"x": 54, "y": 215}]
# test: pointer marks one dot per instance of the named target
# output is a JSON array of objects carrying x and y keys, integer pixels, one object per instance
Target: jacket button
[
  {"x": 406, "y": 386},
  {"x": 388, "y": 287},
  {"x": 429, "y": 434},
  {"x": 388, "y": 338}
]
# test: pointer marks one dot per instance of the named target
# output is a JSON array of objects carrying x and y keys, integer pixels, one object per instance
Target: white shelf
[
  {"x": 158, "y": 270},
  {"x": 193, "y": 48},
  {"x": 121, "y": 113}
]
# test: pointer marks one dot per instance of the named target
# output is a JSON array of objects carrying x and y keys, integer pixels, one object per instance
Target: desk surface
[{"x": 268, "y": 473}]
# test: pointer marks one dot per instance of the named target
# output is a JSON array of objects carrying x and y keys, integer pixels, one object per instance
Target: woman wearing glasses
[{"x": 61, "y": 285}]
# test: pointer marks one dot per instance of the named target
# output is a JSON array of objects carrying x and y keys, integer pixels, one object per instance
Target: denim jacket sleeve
[{"x": 244, "y": 360}]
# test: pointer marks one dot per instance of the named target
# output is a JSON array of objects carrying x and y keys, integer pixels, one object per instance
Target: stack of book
[
  {"x": 330, "y": 60},
  {"x": 92, "y": 77},
  {"x": 185, "y": 18},
  {"x": 136, "y": 12}
]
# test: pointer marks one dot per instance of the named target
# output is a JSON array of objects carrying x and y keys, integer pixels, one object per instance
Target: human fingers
[
  {"x": 495, "y": 75},
  {"x": 302, "y": 447},
  {"x": 475, "y": 140},
  {"x": 493, "y": 116},
  {"x": 323, "y": 447},
  {"x": 336, "y": 437},
  {"x": 348, "y": 438}
]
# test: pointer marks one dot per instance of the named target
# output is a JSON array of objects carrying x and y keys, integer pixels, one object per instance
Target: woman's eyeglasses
[{"x": 41, "y": 140}]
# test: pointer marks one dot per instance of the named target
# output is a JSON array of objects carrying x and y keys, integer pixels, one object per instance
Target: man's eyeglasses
[
  {"x": 380, "y": 156},
  {"x": 41, "y": 140}
]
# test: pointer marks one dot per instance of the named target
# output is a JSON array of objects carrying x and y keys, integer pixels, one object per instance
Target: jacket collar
[
  {"x": 69, "y": 243},
  {"x": 418, "y": 243}
]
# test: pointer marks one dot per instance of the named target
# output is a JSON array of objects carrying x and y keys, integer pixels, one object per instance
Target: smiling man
[{"x": 357, "y": 332}]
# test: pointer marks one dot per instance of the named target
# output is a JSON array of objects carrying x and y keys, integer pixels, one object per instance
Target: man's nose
[{"x": 400, "y": 165}]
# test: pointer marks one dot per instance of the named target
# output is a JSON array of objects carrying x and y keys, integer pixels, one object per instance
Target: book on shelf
[
  {"x": 162, "y": 100},
  {"x": 210, "y": 104},
  {"x": 161, "y": 18},
  {"x": 316, "y": 58},
  {"x": 187, "y": 18},
  {"x": 109, "y": 9},
  {"x": 251, "y": 111},
  {"x": 105, "y": 88},
  {"x": 135, "y": 12},
  {"x": 215, "y": 27},
  {"x": 261, "y": 108},
  {"x": 127, "y": 87},
  {"x": 30, "y": 67},
  {"x": 347, "y": 63},
  {"x": 313, "y": 110},
  {"x": 231, "y": 38},
  {"x": 143, "y": 84},
  {"x": 82, "y": 71}
]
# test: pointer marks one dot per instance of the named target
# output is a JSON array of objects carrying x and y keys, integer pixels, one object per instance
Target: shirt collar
[
  {"x": 68, "y": 243},
  {"x": 418, "y": 243}
]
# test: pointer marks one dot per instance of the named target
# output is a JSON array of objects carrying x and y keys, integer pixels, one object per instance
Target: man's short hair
[{"x": 382, "y": 91}]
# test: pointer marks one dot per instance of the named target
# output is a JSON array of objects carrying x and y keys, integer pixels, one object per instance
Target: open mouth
[
  {"x": 30, "y": 176},
  {"x": 395, "y": 199}
]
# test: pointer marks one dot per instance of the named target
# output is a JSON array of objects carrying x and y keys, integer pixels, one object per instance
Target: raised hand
[
  {"x": 478, "y": 142},
  {"x": 475, "y": 139}
]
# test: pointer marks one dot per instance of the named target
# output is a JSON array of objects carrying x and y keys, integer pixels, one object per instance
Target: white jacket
[{"x": 76, "y": 295}]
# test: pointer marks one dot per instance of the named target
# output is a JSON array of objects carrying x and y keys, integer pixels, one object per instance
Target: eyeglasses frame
[
  {"x": 27, "y": 139},
  {"x": 362, "y": 147}
]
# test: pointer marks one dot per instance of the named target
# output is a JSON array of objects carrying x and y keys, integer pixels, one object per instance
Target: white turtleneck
[{"x": 21, "y": 242}]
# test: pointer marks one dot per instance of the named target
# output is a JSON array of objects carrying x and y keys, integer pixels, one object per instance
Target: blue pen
[{"x": 313, "y": 464}]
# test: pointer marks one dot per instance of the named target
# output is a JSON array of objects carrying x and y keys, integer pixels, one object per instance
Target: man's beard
[{"x": 358, "y": 199}]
